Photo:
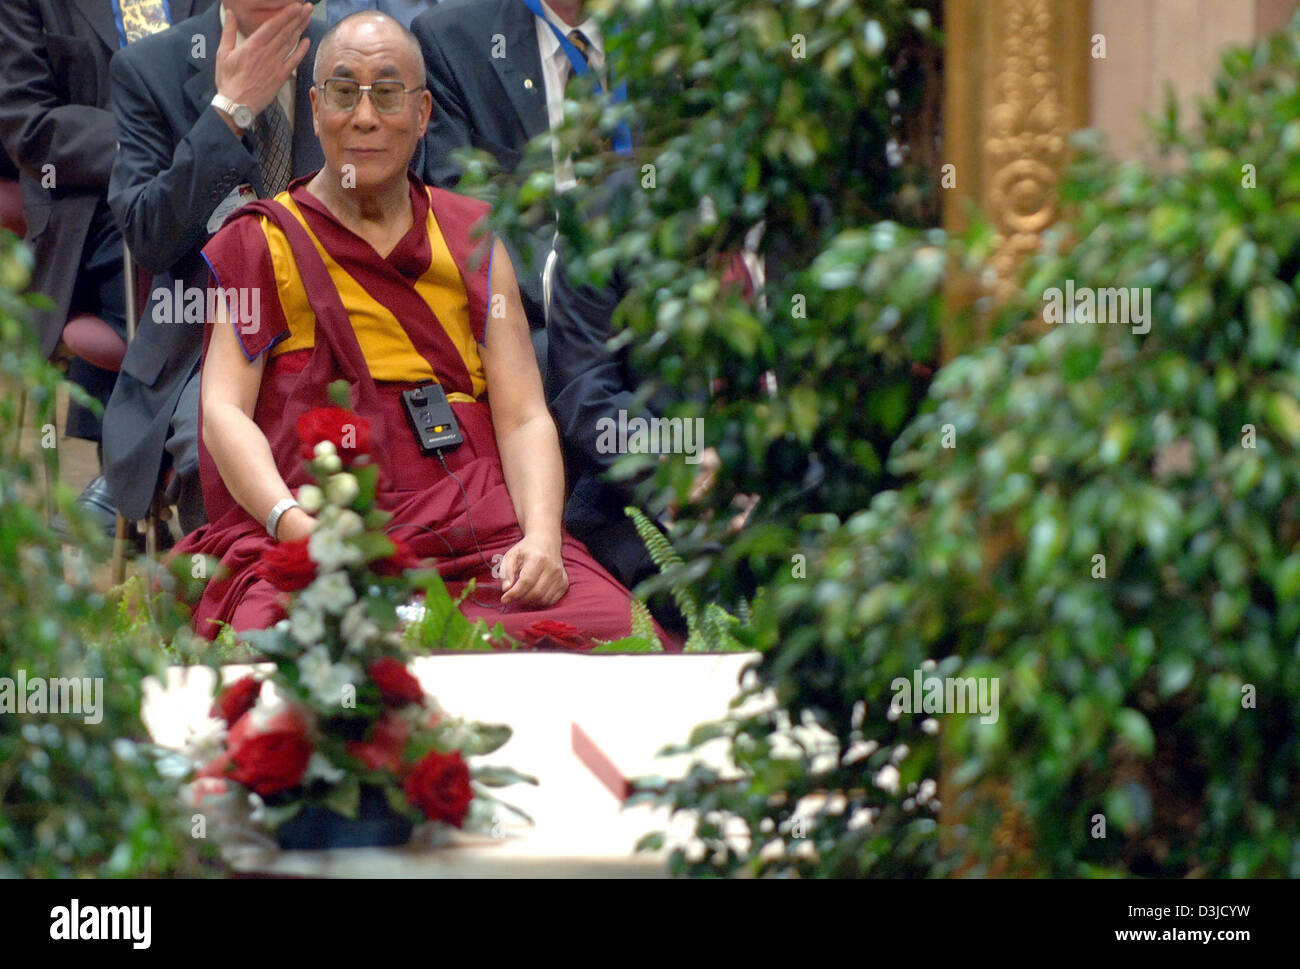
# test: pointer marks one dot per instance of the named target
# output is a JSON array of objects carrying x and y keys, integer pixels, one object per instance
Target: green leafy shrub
[
  {"x": 1103, "y": 520},
  {"x": 820, "y": 121},
  {"x": 80, "y": 795}
]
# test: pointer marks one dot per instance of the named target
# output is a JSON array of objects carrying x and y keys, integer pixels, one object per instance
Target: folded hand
[{"x": 532, "y": 573}]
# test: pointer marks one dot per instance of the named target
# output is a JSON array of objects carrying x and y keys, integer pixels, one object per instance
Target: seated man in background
[
  {"x": 499, "y": 76},
  {"x": 184, "y": 163},
  {"x": 587, "y": 383},
  {"x": 400, "y": 298},
  {"x": 56, "y": 125},
  {"x": 591, "y": 388}
]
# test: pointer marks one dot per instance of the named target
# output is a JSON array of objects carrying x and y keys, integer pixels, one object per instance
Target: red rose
[
  {"x": 348, "y": 432},
  {"x": 553, "y": 634},
  {"x": 439, "y": 786},
  {"x": 236, "y": 699},
  {"x": 397, "y": 563},
  {"x": 395, "y": 682},
  {"x": 272, "y": 757},
  {"x": 383, "y": 751},
  {"x": 287, "y": 566}
]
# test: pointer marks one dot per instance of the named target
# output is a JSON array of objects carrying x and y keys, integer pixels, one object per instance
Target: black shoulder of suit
[{"x": 453, "y": 14}]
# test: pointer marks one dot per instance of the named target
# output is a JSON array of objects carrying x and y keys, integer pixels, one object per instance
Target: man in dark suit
[
  {"x": 185, "y": 163},
  {"x": 585, "y": 383},
  {"x": 56, "y": 125},
  {"x": 498, "y": 74},
  {"x": 591, "y": 385}
]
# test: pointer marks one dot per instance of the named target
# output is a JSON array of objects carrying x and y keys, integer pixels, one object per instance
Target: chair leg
[{"x": 119, "y": 552}]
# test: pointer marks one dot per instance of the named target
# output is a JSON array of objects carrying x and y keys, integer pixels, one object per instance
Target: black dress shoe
[{"x": 97, "y": 503}]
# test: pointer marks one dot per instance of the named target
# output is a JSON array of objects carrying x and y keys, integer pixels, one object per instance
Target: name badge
[{"x": 241, "y": 195}]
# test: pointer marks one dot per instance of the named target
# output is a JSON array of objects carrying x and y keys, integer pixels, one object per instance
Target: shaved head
[
  {"x": 363, "y": 30},
  {"x": 367, "y": 152}
]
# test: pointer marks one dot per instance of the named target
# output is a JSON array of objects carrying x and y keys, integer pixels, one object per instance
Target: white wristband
[{"x": 281, "y": 506}]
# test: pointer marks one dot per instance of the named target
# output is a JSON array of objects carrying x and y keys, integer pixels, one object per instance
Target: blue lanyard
[{"x": 622, "y": 137}]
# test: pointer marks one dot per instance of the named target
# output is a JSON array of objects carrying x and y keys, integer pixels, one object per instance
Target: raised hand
[{"x": 252, "y": 73}]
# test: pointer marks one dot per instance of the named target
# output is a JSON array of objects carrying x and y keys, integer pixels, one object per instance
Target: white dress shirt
[{"x": 555, "y": 73}]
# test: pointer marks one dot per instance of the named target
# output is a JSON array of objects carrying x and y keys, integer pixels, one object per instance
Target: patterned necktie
[
  {"x": 140, "y": 18},
  {"x": 581, "y": 42},
  {"x": 274, "y": 149}
]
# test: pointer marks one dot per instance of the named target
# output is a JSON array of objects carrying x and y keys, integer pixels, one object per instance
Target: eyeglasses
[{"x": 344, "y": 94}]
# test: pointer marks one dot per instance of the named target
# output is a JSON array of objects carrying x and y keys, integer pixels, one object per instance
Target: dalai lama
[{"x": 367, "y": 274}]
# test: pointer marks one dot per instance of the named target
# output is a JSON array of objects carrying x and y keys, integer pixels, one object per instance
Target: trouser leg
[
  {"x": 183, "y": 446},
  {"x": 99, "y": 290}
]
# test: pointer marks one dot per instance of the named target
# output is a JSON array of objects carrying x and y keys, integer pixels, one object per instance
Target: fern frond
[
  {"x": 665, "y": 557},
  {"x": 656, "y": 542},
  {"x": 630, "y": 644},
  {"x": 643, "y": 625}
]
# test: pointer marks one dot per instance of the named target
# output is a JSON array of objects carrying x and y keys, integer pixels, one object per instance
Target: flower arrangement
[{"x": 341, "y": 724}]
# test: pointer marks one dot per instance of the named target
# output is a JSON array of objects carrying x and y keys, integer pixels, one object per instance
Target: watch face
[{"x": 243, "y": 116}]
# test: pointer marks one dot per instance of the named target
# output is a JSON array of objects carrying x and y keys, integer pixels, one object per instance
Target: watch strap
[
  {"x": 223, "y": 103},
  {"x": 273, "y": 519}
]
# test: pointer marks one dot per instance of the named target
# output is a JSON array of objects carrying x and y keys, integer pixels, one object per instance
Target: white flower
[
  {"x": 325, "y": 449},
  {"x": 342, "y": 489},
  {"x": 308, "y": 625},
  {"x": 331, "y": 463},
  {"x": 311, "y": 498},
  {"x": 411, "y": 612},
  {"x": 358, "y": 628},
  {"x": 270, "y": 705},
  {"x": 331, "y": 592},
  {"x": 260, "y": 716},
  {"x": 349, "y": 523},
  {"x": 325, "y": 679},
  {"x": 330, "y": 549},
  {"x": 205, "y": 740},
  {"x": 320, "y": 766}
]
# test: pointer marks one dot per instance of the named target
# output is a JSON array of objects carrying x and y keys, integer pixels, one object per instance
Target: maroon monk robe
[{"x": 430, "y": 513}]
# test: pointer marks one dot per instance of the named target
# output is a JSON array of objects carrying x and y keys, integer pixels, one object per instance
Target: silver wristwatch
[
  {"x": 241, "y": 114},
  {"x": 273, "y": 519}
]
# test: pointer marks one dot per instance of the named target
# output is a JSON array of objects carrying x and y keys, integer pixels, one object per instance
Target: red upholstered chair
[
  {"x": 95, "y": 341},
  {"x": 11, "y": 207},
  {"x": 90, "y": 338}
]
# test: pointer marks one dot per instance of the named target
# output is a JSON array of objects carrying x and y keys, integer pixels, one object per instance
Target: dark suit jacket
[
  {"x": 54, "y": 99},
  {"x": 178, "y": 161},
  {"x": 585, "y": 382},
  {"x": 483, "y": 102}
]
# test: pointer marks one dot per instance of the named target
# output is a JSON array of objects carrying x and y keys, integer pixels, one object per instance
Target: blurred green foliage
[
  {"x": 1105, "y": 521},
  {"x": 820, "y": 121},
  {"x": 76, "y": 798}
]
